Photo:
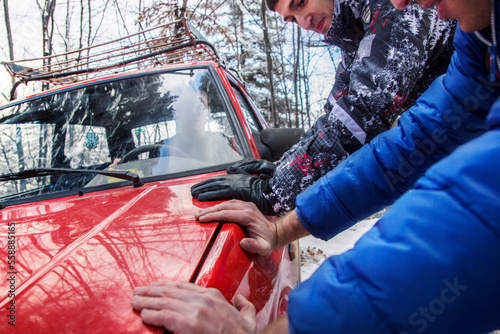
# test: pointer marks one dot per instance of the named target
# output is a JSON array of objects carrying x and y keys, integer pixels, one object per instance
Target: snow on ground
[{"x": 315, "y": 251}]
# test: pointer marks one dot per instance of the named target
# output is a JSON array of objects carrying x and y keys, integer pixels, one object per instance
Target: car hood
[{"x": 77, "y": 259}]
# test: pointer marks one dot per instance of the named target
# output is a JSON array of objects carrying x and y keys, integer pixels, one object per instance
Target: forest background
[{"x": 288, "y": 71}]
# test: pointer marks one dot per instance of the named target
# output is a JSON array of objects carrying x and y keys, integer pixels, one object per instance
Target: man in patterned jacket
[{"x": 389, "y": 57}]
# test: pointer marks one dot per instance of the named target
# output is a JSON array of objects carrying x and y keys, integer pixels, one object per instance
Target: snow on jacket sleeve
[
  {"x": 430, "y": 265},
  {"x": 390, "y": 58},
  {"x": 450, "y": 113}
]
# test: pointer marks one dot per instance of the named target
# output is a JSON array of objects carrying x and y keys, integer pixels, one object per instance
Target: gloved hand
[
  {"x": 252, "y": 166},
  {"x": 235, "y": 186}
]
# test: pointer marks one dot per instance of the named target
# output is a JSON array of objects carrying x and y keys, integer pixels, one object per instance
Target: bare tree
[
  {"x": 80, "y": 39},
  {"x": 122, "y": 18},
  {"x": 89, "y": 38},
  {"x": 269, "y": 60},
  {"x": 8, "y": 28},
  {"x": 182, "y": 11},
  {"x": 10, "y": 41},
  {"x": 47, "y": 13},
  {"x": 296, "y": 74},
  {"x": 67, "y": 26},
  {"x": 283, "y": 76}
]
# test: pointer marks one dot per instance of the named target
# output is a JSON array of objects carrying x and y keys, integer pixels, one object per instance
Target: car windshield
[{"x": 154, "y": 124}]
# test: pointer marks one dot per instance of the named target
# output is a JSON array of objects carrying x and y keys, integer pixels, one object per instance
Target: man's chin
[{"x": 326, "y": 27}]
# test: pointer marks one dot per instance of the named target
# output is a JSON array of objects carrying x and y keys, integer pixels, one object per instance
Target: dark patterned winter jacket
[{"x": 389, "y": 57}]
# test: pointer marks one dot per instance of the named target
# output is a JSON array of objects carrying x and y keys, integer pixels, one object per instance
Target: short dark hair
[{"x": 271, "y": 4}]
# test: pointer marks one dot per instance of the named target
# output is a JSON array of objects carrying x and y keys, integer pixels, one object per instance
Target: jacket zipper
[{"x": 493, "y": 46}]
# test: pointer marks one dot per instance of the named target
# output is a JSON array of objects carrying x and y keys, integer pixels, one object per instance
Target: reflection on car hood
[{"x": 77, "y": 260}]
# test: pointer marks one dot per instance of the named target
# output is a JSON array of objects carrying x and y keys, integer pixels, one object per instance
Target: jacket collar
[{"x": 346, "y": 30}]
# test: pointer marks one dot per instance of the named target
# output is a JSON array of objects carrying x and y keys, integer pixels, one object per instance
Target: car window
[
  {"x": 155, "y": 124},
  {"x": 247, "y": 113}
]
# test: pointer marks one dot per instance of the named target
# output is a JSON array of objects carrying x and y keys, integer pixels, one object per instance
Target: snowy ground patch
[{"x": 314, "y": 251}]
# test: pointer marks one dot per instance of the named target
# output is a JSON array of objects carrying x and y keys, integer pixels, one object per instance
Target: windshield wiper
[{"x": 37, "y": 172}]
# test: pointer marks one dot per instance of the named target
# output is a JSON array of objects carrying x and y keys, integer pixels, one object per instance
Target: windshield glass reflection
[{"x": 150, "y": 125}]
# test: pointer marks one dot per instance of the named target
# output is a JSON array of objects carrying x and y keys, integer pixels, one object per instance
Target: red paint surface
[{"x": 79, "y": 258}]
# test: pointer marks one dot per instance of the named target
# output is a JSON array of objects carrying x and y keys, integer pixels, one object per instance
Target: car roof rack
[{"x": 172, "y": 43}]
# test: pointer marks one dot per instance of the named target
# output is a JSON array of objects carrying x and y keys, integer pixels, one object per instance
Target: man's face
[
  {"x": 315, "y": 15},
  {"x": 472, "y": 15}
]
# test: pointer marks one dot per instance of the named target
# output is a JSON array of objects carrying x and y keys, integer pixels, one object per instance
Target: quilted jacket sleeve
[{"x": 450, "y": 113}]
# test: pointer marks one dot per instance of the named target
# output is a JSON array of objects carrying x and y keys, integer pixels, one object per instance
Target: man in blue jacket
[{"x": 432, "y": 263}]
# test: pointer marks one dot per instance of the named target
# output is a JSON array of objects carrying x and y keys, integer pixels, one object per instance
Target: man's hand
[
  {"x": 262, "y": 234},
  {"x": 235, "y": 186},
  {"x": 185, "y": 308}
]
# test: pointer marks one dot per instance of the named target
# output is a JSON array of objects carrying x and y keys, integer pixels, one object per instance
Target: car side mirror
[{"x": 273, "y": 143}]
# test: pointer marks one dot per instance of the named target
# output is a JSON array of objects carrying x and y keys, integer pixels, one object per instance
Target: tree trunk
[
  {"x": 296, "y": 77},
  {"x": 80, "y": 38},
  {"x": 9, "y": 33},
  {"x": 89, "y": 38},
  {"x": 47, "y": 14},
  {"x": 284, "y": 80},
  {"x": 267, "y": 45},
  {"x": 67, "y": 26},
  {"x": 182, "y": 11},
  {"x": 306, "y": 89},
  {"x": 8, "y": 28}
]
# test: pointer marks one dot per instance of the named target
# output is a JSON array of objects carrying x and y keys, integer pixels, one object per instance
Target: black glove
[
  {"x": 238, "y": 186},
  {"x": 252, "y": 166}
]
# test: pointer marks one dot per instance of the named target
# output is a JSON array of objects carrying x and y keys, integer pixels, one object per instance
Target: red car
[{"x": 95, "y": 180}]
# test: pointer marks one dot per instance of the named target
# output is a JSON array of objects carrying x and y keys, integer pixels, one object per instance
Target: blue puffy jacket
[{"x": 432, "y": 263}]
